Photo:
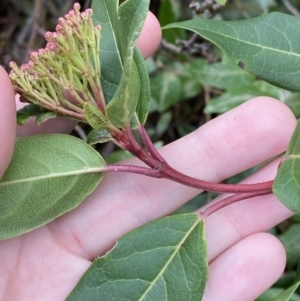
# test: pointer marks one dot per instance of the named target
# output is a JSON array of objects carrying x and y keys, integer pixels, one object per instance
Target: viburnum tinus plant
[{"x": 91, "y": 71}]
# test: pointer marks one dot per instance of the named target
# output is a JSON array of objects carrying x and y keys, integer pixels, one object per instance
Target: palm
[{"x": 37, "y": 267}]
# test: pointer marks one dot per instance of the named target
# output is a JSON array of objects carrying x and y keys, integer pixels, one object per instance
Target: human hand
[{"x": 46, "y": 264}]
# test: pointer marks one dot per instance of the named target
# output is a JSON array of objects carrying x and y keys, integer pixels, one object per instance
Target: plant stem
[
  {"x": 155, "y": 160},
  {"x": 150, "y": 172},
  {"x": 231, "y": 200}
]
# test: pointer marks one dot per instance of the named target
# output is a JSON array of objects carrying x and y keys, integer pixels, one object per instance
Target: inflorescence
[{"x": 65, "y": 74}]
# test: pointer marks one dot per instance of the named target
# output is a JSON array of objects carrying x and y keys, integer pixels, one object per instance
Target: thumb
[{"x": 7, "y": 121}]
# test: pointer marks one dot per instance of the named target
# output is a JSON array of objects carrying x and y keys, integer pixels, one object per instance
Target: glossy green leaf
[
  {"x": 291, "y": 242},
  {"x": 287, "y": 182},
  {"x": 105, "y": 13},
  {"x": 131, "y": 14},
  {"x": 266, "y": 46},
  {"x": 94, "y": 117},
  {"x": 287, "y": 294},
  {"x": 223, "y": 75},
  {"x": 48, "y": 176},
  {"x": 98, "y": 136},
  {"x": 164, "y": 260}
]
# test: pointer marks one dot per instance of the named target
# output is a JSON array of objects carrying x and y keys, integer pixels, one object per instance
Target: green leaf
[
  {"x": 291, "y": 242},
  {"x": 169, "y": 11},
  {"x": 120, "y": 110},
  {"x": 292, "y": 101},
  {"x": 143, "y": 103},
  {"x": 166, "y": 89},
  {"x": 271, "y": 293},
  {"x": 131, "y": 15},
  {"x": 164, "y": 260},
  {"x": 235, "y": 96},
  {"x": 248, "y": 8},
  {"x": 175, "y": 84},
  {"x": 222, "y": 2},
  {"x": 287, "y": 182},
  {"x": 266, "y": 46},
  {"x": 44, "y": 117},
  {"x": 288, "y": 293},
  {"x": 94, "y": 117},
  {"x": 223, "y": 75},
  {"x": 98, "y": 136},
  {"x": 32, "y": 110},
  {"x": 48, "y": 176},
  {"x": 105, "y": 13}
]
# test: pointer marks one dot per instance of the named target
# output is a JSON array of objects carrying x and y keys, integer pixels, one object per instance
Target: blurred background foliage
[{"x": 191, "y": 82}]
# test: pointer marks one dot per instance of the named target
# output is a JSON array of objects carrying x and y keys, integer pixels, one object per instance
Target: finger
[
  {"x": 246, "y": 270},
  {"x": 7, "y": 120},
  {"x": 148, "y": 42},
  {"x": 150, "y": 37},
  {"x": 225, "y": 146},
  {"x": 244, "y": 218}
]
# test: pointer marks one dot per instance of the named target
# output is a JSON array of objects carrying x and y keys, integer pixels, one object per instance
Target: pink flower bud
[
  {"x": 34, "y": 55},
  {"x": 48, "y": 36},
  {"x": 24, "y": 67},
  {"x": 41, "y": 53},
  {"x": 76, "y": 6},
  {"x": 84, "y": 16},
  {"x": 13, "y": 65}
]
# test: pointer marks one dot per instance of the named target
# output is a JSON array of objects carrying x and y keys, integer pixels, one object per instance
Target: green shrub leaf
[
  {"x": 105, "y": 13},
  {"x": 94, "y": 117},
  {"x": 131, "y": 15},
  {"x": 266, "y": 46},
  {"x": 48, "y": 176},
  {"x": 287, "y": 294},
  {"x": 143, "y": 104},
  {"x": 164, "y": 260},
  {"x": 287, "y": 182}
]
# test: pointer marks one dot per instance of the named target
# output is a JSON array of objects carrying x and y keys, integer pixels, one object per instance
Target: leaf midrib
[
  {"x": 243, "y": 41},
  {"x": 54, "y": 175},
  {"x": 170, "y": 260}
]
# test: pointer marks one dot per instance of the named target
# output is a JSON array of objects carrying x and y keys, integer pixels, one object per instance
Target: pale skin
[{"x": 46, "y": 264}]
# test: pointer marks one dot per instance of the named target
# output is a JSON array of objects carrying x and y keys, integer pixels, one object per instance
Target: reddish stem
[
  {"x": 150, "y": 172},
  {"x": 151, "y": 148},
  {"x": 168, "y": 172},
  {"x": 231, "y": 200}
]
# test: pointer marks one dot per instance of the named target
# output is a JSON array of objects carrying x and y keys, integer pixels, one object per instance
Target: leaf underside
[
  {"x": 48, "y": 176},
  {"x": 164, "y": 260},
  {"x": 267, "y": 46}
]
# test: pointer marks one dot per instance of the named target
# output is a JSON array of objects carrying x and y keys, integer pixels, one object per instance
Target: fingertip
[
  {"x": 7, "y": 120},
  {"x": 150, "y": 37},
  {"x": 247, "y": 269}
]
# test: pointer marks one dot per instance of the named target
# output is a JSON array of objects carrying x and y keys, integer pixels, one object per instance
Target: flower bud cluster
[{"x": 65, "y": 74}]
